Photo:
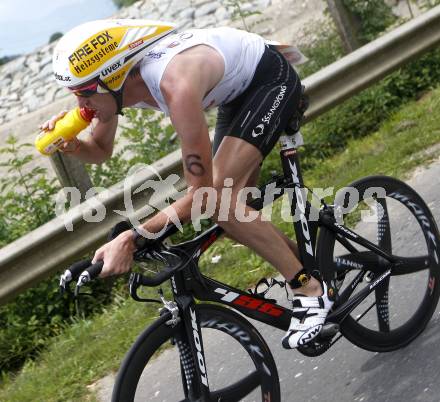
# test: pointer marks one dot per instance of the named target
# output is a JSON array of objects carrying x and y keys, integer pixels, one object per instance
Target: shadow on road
[{"x": 408, "y": 374}]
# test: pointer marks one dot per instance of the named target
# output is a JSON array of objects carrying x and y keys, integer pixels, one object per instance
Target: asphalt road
[{"x": 345, "y": 373}]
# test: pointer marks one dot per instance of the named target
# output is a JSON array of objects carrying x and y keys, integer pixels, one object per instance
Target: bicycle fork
[{"x": 190, "y": 345}]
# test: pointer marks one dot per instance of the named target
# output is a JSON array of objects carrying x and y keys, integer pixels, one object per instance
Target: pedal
[{"x": 329, "y": 330}]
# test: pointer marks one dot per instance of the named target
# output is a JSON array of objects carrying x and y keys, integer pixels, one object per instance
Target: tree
[
  {"x": 360, "y": 21},
  {"x": 55, "y": 36},
  {"x": 124, "y": 3},
  {"x": 5, "y": 59},
  {"x": 347, "y": 24}
]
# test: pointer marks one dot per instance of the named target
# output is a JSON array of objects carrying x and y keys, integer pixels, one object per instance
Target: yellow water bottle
[{"x": 67, "y": 128}]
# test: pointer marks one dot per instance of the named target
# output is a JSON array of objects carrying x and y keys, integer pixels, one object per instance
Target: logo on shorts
[
  {"x": 276, "y": 103},
  {"x": 258, "y": 130}
]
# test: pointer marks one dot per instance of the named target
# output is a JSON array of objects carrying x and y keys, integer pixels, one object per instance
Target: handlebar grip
[
  {"x": 157, "y": 279},
  {"x": 78, "y": 267},
  {"x": 90, "y": 273},
  {"x": 73, "y": 272}
]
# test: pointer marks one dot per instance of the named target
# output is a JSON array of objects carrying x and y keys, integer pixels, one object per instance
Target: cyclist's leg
[
  {"x": 248, "y": 129},
  {"x": 256, "y": 233},
  {"x": 252, "y": 182}
]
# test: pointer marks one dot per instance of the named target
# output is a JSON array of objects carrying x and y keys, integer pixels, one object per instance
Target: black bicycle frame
[
  {"x": 189, "y": 284},
  {"x": 257, "y": 307}
]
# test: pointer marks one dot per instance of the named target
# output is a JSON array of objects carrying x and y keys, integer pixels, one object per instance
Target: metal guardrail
[{"x": 51, "y": 247}]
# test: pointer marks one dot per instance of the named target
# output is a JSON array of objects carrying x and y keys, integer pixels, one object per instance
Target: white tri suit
[{"x": 257, "y": 95}]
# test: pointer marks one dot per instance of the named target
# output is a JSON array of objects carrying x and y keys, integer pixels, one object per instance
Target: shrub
[
  {"x": 364, "y": 113},
  {"x": 26, "y": 193},
  {"x": 427, "y": 4},
  {"x": 149, "y": 137},
  {"x": 124, "y": 3},
  {"x": 27, "y": 203},
  {"x": 55, "y": 36},
  {"x": 323, "y": 48}
]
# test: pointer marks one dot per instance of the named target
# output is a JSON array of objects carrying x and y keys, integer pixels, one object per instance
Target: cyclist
[{"x": 112, "y": 64}]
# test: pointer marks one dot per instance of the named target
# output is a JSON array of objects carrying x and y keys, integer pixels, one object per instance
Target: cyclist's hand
[
  {"x": 70, "y": 146},
  {"x": 50, "y": 124},
  {"x": 116, "y": 254}
]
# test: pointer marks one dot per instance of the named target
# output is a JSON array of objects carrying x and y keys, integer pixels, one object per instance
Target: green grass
[
  {"x": 90, "y": 349},
  {"x": 397, "y": 148}
]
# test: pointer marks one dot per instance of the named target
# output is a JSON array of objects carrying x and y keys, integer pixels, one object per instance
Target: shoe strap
[{"x": 307, "y": 302}]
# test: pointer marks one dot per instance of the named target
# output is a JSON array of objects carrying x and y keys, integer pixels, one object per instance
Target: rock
[
  {"x": 45, "y": 61},
  {"x": 23, "y": 110},
  {"x": 199, "y": 3},
  {"x": 134, "y": 12},
  {"x": 12, "y": 97},
  {"x": 206, "y": 9},
  {"x": 34, "y": 67},
  {"x": 138, "y": 5},
  {"x": 50, "y": 94},
  {"x": 14, "y": 111},
  {"x": 4, "y": 92},
  {"x": 4, "y": 111},
  {"x": 15, "y": 86},
  {"x": 249, "y": 7},
  {"x": 61, "y": 93},
  {"x": 163, "y": 7},
  {"x": 187, "y": 14},
  {"x": 33, "y": 103},
  {"x": 186, "y": 25},
  {"x": 47, "y": 49},
  {"x": 263, "y": 4},
  {"x": 29, "y": 93},
  {"x": 40, "y": 91},
  {"x": 13, "y": 66},
  {"x": 222, "y": 13},
  {"x": 20, "y": 74},
  {"x": 4, "y": 83},
  {"x": 46, "y": 71},
  {"x": 263, "y": 31},
  {"x": 179, "y": 6},
  {"x": 208, "y": 21},
  {"x": 27, "y": 82}
]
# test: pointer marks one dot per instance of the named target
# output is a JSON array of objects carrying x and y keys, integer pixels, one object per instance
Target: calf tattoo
[{"x": 193, "y": 164}]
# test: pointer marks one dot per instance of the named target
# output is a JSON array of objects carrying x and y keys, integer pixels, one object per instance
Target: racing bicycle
[{"x": 377, "y": 243}]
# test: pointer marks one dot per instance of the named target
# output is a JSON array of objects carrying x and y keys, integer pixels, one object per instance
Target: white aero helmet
[{"x": 106, "y": 50}]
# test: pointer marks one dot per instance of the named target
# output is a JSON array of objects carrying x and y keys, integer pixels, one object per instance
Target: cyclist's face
[{"x": 103, "y": 104}]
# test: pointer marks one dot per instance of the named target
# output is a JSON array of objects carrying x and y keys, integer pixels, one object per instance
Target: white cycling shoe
[{"x": 309, "y": 314}]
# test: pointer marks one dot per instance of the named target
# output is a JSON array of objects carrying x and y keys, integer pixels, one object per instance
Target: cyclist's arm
[
  {"x": 183, "y": 90},
  {"x": 98, "y": 147}
]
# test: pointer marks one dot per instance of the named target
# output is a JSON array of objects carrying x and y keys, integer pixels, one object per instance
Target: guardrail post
[{"x": 71, "y": 172}]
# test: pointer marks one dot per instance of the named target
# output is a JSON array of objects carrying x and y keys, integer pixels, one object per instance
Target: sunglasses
[
  {"x": 86, "y": 90},
  {"x": 90, "y": 89}
]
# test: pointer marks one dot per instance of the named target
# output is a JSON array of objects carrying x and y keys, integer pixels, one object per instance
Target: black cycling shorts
[{"x": 261, "y": 113}]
